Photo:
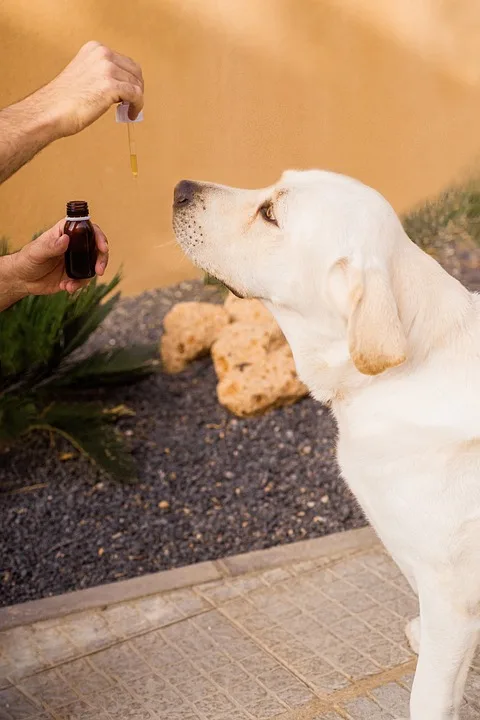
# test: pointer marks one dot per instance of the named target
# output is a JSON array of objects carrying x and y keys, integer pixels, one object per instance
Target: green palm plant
[{"x": 42, "y": 375}]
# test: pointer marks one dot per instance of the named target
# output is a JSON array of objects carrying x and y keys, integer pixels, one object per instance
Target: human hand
[
  {"x": 39, "y": 267},
  {"x": 95, "y": 79}
]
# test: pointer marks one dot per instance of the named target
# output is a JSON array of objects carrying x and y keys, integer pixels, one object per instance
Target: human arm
[{"x": 95, "y": 79}]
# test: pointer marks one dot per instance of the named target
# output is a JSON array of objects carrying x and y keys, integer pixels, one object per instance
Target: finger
[
  {"x": 101, "y": 264},
  {"x": 126, "y": 63},
  {"x": 131, "y": 94},
  {"x": 48, "y": 245},
  {"x": 71, "y": 286},
  {"x": 122, "y": 75},
  {"x": 88, "y": 47},
  {"x": 100, "y": 238}
]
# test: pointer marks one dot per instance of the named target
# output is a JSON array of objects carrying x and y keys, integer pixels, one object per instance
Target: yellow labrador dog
[{"x": 392, "y": 342}]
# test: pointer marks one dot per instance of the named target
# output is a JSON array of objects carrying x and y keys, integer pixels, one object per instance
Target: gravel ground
[{"x": 210, "y": 484}]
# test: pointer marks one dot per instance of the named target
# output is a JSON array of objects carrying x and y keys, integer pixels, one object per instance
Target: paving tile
[
  {"x": 49, "y": 689},
  {"x": 286, "y": 687},
  {"x": 149, "y": 644},
  {"x": 404, "y": 606},
  {"x": 257, "y": 622},
  {"x": 221, "y": 593},
  {"x": 54, "y": 645},
  {"x": 470, "y": 712},
  {"x": 365, "y": 709},
  {"x": 14, "y": 705},
  {"x": 158, "y": 612},
  {"x": 180, "y": 714},
  {"x": 120, "y": 662},
  {"x": 6, "y": 670},
  {"x": 378, "y": 617},
  {"x": 229, "y": 675},
  {"x": 276, "y": 575},
  {"x": 278, "y": 636},
  {"x": 150, "y": 686},
  {"x": 84, "y": 678},
  {"x": 472, "y": 686},
  {"x": 360, "y": 668},
  {"x": 235, "y": 715},
  {"x": 197, "y": 688},
  {"x": 112, "y": 701},
  {"x": 396, "y": 633},
  {"x": 212, "y": 707},
  {"x": 22, "y": 652},
  {"x": 393, "y": 698},
  {"x": 265, "y": 709},
  {"x": 239, "y": 608},
  {"x": 247, "y": 584},
  {"x": 135, "y": 711},
  {"x": 160, "y": 701},
  {"x": 241, "y": 649},
  {"x": 187, "y": 602},
  {"x": 313, "y": 667},
  {"x": 340, "y": 591},
  {"x": 79, "y": 710},
  {"x": 88, "y": 631},
  {"x": 328, "y": 612},
  {"x": 407, "y": 680},
  {"x": 125, "y": 620},
  {"x": 293, "y": 653},
  {"x": 259, "y": 663},
  {"x": 348, "y": 568},
  {"x": 326, "y": 684},
  {"x": 248, "y": 693},
  {"x": 388, "y": 655},
  {"x": 155, "y": 650},
  {"x": 351, "y": 629},
  {"x": 295, "y": 696},
  {"x": 212, "y": 661}
]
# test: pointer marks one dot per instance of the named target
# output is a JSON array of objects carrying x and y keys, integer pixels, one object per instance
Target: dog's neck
[{"x": 433, "y": 307}]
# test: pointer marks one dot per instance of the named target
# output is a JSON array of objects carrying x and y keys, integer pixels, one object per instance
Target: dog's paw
[{"x": 412, "y": 631}]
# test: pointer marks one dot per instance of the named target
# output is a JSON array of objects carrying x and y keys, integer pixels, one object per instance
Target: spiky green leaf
[
  {"x": 87, "y": 428},
  {"x": 111, "y": 367}
]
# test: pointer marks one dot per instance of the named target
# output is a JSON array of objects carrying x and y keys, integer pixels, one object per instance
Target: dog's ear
[{"x": 376, "y": 339}]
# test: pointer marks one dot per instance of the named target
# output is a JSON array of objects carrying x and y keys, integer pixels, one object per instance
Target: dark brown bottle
[{"x": 81, "y": 255}]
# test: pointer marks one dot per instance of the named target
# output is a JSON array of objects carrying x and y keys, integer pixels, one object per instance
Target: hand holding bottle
[{"x": 39, "y": 267}]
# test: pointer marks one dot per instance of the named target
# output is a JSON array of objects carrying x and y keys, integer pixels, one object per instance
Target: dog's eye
[{"x": 266, "y": 211}]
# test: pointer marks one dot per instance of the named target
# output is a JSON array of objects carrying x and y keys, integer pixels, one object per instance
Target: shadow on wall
[{"x": 235, "y": 92}]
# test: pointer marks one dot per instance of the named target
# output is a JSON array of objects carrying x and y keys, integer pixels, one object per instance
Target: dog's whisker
[{"x": 162, "y": 245}]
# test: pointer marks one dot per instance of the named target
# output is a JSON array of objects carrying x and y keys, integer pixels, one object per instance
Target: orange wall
[{"x": 236, "y": 91}]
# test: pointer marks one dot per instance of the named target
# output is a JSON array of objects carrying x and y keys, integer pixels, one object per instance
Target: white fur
[{"x": 392, "y": 342}]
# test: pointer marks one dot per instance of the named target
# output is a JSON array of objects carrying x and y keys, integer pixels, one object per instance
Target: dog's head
[{"x": 316, "y": 247}]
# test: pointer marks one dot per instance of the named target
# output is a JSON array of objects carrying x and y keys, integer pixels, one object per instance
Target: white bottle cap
[{"x": 121, "y": 114}]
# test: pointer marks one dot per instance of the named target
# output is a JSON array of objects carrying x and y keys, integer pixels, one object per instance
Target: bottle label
[{"x": 77, "y": 219}]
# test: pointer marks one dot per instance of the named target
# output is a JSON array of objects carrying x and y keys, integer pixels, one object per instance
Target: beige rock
[
  {"x": 240, "y": 345},
  {"x": 251, "y": 311},
  {"x": 261, "y": 386},
  {"x": 190, "y": 330},
  {"x": 253, "y": 363}
]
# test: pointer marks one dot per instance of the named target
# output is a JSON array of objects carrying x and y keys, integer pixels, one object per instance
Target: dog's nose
[{"x": 184, "y": 192}]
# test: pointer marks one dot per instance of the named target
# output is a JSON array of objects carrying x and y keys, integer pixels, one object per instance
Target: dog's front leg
[{"x": 448, "y": 639}]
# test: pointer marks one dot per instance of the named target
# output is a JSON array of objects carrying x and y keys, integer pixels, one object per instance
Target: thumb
[{"x": 50, "y": 244}]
